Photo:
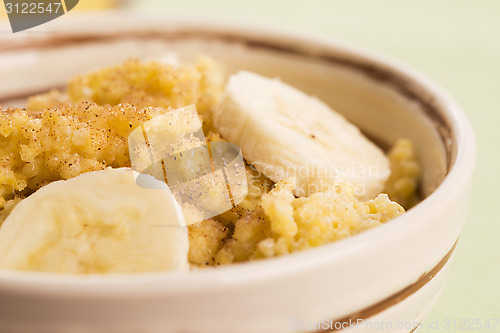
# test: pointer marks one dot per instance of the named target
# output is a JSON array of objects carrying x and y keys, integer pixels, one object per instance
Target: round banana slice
[
  {"x": 99, "y": 222},
  {"x": 287, "y": 134}
]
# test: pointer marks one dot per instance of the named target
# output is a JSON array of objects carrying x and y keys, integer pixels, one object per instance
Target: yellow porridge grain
[
  {"x": 62, "y": 143},
  {"x": 62, "y": 134},
  {"x": 145, "y": 84},
  {"x": 402, "y": 185},
  {"x": 283, "y": 224}
]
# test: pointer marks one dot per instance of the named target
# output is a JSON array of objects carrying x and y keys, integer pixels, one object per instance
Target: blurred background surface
[{"x": 457, "y": 44}]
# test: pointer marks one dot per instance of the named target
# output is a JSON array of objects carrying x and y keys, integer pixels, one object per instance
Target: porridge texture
[{"x": 62, "y": 134}]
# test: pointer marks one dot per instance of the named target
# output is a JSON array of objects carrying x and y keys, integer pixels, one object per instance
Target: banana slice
[
  {"x": 285, "y": 134},
  {"x": 99, "y": 222}
]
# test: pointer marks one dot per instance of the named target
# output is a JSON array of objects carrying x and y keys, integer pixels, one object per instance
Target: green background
[{"x": 457, "y": 44}]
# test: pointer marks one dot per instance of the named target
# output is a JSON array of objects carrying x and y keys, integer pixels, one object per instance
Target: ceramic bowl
[{"x": 382, "y": 280}]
